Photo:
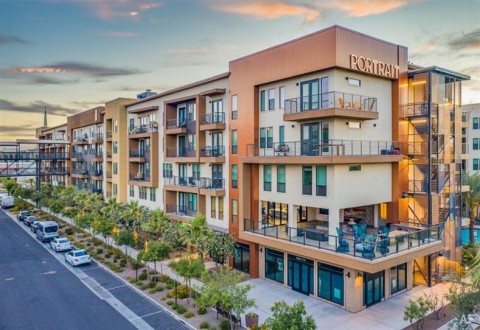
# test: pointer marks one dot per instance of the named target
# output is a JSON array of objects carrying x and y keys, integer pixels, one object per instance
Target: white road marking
[
  {"x": 9, "y": 279},
  {"x": 117, "y": 287}
]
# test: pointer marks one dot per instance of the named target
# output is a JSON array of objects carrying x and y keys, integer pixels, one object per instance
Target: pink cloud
[{"x": 359, "y": 8}]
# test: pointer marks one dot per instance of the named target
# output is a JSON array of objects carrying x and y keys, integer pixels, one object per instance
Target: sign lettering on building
[{"x": 369, "y": 65}]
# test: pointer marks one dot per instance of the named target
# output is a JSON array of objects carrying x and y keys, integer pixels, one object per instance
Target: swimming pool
[{"x": 465, "y": 235}]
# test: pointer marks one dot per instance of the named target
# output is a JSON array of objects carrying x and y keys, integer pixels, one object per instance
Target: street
[{"x": 38, "y": 291}]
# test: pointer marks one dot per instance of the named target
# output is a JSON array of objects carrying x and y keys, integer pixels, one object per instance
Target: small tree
[
  {"x": 188, "y": 267},
  {"x": 125, "y": 237},
  {"x": 155, "y": 251},
  {"x": 416, "y": 311},
  {"x": 290, "y": 317},
  {"x": 221, "y": 247},
  {"x": 171, "y": 234},
  {"x": 103, "y": 227}
]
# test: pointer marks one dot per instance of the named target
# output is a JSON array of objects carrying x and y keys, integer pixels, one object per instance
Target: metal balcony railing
[
  {"x": 77, "y": 155},
  {"x": 182, "y": 210},
  {"x": 80, "y": 172},
  {"x": 203, "y": 183},
  {"x": 212, "y": 151},
  {"x": 109, "y": 154},
  {"x": 180, "y": 152},
  {"x": 142, "y": 129},
  {"x": 348, "y": 245},
  {"x": 137, "y": 153},
  {"x": 108, "y": 175},
  {"x": 327, "y": 148},
  {"x": 139, "y": 177},
  {"x": 109, "y": 134},
  {"x": 176, "y": 123},
  {"x": 331, "y": 100},
  {"x": 212, "y": 118}
]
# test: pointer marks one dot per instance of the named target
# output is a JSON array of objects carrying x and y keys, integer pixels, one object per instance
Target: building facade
[
  {"x": 471, "y": 137},
  {"x": 56, "y": 169}
]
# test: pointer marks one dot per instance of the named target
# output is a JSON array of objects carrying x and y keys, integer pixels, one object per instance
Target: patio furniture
[
  {"x": 383, "y": 245},
  {"x": 367, "y": 247},
  {"x": 342, "y": 243}
]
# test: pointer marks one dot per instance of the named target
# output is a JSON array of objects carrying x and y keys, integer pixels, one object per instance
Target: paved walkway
[{"x": 386, "y": 315}]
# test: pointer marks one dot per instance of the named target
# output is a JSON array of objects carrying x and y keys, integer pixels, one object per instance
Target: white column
[
  {"x": 292, "y": 216},
  {"x": 333, "y": 223},
  {"x": 376, "y": 215}
]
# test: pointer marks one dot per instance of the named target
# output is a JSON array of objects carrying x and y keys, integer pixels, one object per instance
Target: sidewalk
[{"x": 386, "y": 315}]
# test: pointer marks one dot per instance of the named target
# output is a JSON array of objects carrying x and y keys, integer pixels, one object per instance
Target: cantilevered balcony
[
  {"x": 212, "y": 154},
  {"x": 176, "y": 126},
  {"x": 324, "y": 152},
  {"x": 80, "y": 139},
  {"x": 140, "y": 179},
  {"x": 137, "y": 156},
  {"x": 402, "y": 244},
  {"x": 179, "y": 212},
  {"x": 80, "y": 174},
  {"x": 331, "y": 104},
  {"x": 97, "y": 138},
  {"x": 142, "y": 131},
  {"x": 207, "y": 186},
  {"x": 97, "y": 175},
  {"x": 212, "y": 121},
  {"x": 180, "y": 152}
]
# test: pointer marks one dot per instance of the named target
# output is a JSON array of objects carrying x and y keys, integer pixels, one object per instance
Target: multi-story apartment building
[
  {"x": 328, "y": 128},
  {"x": 471, "y": 137},
  {"x": 56, "y": 168},
  {"x": 86, "y": 133},
  {"x": 177, "y": 151},
  {"x": 116, "y": 149}
]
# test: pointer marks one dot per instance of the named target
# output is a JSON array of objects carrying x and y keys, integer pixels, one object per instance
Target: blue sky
[{"x": 72, "y": 55}]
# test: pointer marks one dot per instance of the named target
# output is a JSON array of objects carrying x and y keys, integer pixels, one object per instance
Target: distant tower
[{"x": 45, "y": 118}]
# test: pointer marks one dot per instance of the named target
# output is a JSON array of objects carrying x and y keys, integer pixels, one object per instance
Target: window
[
  {"x": 153, "y": 194},
  {"x": 383, "y": 211},
  {"x": 266, "y": 137},
  {"x": 354, "y": 168},
  {"x": 475, "y": 143},
  {"x": 330, "y": 283},
  {"x": 167, "y": 170},
  {"x": 114, "y": 189},
  {"x": 115, "y": 126},
  {"x": 213, "y": 207},
  {"x": 142, "y": 193},
  {"x": 281, "y": 134},
  {"x": 271, "y": 99},
  {"x": 115, "y": 168},
  {"x": 132, "y": 123},
  {"x": 192, "y": 138},
  {"x": 354, "y": 82},
  {"x": 398, "y": 277},
  {"x": 475, "y": 123},
  {"x": 269, "y": 137},
  {"x": 241, "y": 259},
  {"x": 147, "y": 170},
  {"x": 234, "y": 211},
  {"x": 217, "y": 111},
  {"x": 234, "y": 176},
  {"x": 281, "y": 176},
  {"x": 234, "y": 107},
  {"x": 321, "y": 181},
  {"x": 196, "y": 171},
  {"x": 262, "y": 101},
  {"x": 234, "y": 142},
  {"x": 132, "y": 191},
  {"x": 192, "y": 202},
  {"x": 307, "y": 180},
  {"x": 475, "y": 164},
  {"x": 274, "y": 265},
  {"x": 281, "y": 96},
  {"x": 115, "y": 147},
  {"x": 267, "y": 177},
  {"x": 220, "y": 208}
]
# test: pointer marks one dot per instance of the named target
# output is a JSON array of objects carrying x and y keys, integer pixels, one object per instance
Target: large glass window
[
  {"x": 307, "y": 180},
  {"x": 234, "y": 176},
  {"x": 196, "y": 171},
  {"x": 271, "y": 99},
  {"x": 167, "y": 170},
  {"x": 300, "y": 274},
  {"x": 234, "y": 142},
  {"x": 281, "y": 134},
  {"x": 267, "y": 177},
  {"x": 281, "y": 178},
  {"x": 192, "y": 202},
  {"x": 234, "y": 107},
  {"x": 475, "y": 164},
  {"x": 153, "y": 194},
  {"x": 241, "y": 259},
  {"x": 398, "y": 277},
  {"x": 281, "y": 95},
  {"x": 274, "y": 213},
  {"x": 269, "y": 137},
  {"x": 262, "y": 101},
  {"x": 213, "y": 207},
  {"x": 331, "y": 283},
  {"x": 274, "y": 265},
  {"x": 132, "y": 191},
  {"x": 475, "y": 123},
  {"x": 475, "y": 143},
  {"x": 263, "y": 137},
  {"x": 373, "y": 288},
  {"x": 234, "y": 211},
  {"x": 321, "y": 181},
  {"x": 220, "y": 208}
]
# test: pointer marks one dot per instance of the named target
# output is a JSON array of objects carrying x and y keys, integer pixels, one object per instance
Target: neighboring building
[
  {"x": 325, "y": 127},
  {"x": 86, "y": 133},
  {"x": 471, "y": 137},
  {"x": 56, "y": 169},
  {"x": 116, "y": 149}
]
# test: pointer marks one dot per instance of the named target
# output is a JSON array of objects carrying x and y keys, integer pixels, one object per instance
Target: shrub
[
  {"x": 144, "y": 286},
  {"x": 204, "y": 325},
  {"x": 152, "y": 291},
  {"x": 108, "y": 255},
  {"x": 71, "y": 238},
  {"x": 69, "y": 231},
  {"x": 164, "y": 278},
  {"x": 225, "y": 325},
  {"x": 181, "y": 309},
  {"x": 139, "y": 283},
  {"x": 189, "y": 314},
  {"x": 170, "y": 302},
  {"x": 123, "y": 263},
  {"x": 99, "y": 250},
  {"x": 163, "y": 298},
  {"x": 159, "y": 288},
  {"x": 86, "y": 235},
  {"x": 151, "y": 285},
  {"x": 143, "y": 276},
  {"x": 169, "y": 286},
  {"x": 96, "y": 241},
  {"x": 131, "y": 279},
  {"x": 136, "y": 264},
  {"x": 202, "y": 311}
]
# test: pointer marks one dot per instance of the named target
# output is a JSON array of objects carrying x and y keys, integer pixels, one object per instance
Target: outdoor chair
[{"x": 342, "y": 243}]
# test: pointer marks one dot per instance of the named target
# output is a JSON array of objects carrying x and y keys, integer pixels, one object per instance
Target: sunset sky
[{"x": 72, "y": 55}]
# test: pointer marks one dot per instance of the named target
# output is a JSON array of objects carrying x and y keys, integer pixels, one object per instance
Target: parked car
[
  {"x": 61, "y": 244},
  {"x": 29, "y": 220},
  {"x": 22, "y": 215},
  {"x": 77, "y": 257},
  {"x": 7, "y": 202},
  {"x": 34, "y": 225}
]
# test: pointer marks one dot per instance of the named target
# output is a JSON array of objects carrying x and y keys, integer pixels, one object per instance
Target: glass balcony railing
[
  {"x": 139, "y": 177},
  {"x": 348, "y": 245},
  {"x": 326, "y": 148},
  {"x": 331, "y": 100}
]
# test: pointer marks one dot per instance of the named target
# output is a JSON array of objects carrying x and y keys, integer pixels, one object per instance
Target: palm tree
[
  {"x": 196, "y": 232},
  {"x": 155, "y": 223},
  {"x": 135, "y": 213},
  {"x": 471, "y": 199}
]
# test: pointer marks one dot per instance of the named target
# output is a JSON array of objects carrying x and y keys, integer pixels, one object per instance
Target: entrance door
[
  {"x": 141, "y": 148},
  {"x": 182, "y": 117},
  {"x": 217, "y": 143},
  {"x": 309, "y": 94},
  {"x": 310, "y": 139},
  {"x": 373, "y": 288},
  {"x": 182, "y": 146},
  {"x": 182, "y": 174},
  {"x": 217, "y": 176},
  {"x": 300, "y": 274},
  {"x": 182, "y": 202}
]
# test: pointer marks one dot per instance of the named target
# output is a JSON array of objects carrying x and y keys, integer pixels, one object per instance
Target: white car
[
  {"x": 60, "y": 244},
  {"x": 77, "y": 257}
]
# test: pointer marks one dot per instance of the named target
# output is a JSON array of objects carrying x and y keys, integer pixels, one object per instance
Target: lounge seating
[
  {"x": 282, "y": 148},
  {"x": 342, "y": 243},
  {"x": 367, "y": 247}
]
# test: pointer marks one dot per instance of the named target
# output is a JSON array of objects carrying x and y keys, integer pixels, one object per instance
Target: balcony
[
  {"x": 176, "y": 126},
  {"x": 97, "y": 175},
  {"x": 136, "y": 132},
  {"x": 212, "y": 187},
  {"x": 179, "y": 212},
  {"x": 404, "y": 243},
  {"x": 77, "y": 157},
  {"x": 97, "y": 191},
  {"x": 97, "y": 138},
  {"x": 80, "y": 174},
  {"x": 54, "y": 171},
  {"x": 140, "y": 179},
  {"x": 180, "y": 152},
  {"x": 109, "y": 136},
  {"x": 84, "y": 186},
  {"x": 108, "y": 176},
  {"x": 108, "y": 155},
  {"x": 178, "y": 183},
  {"x": 417, "y": 110},
  {"x": 80, "y": 139},
  {"x": 213, "y": 154},
  {"x": 325, "y": 152},
  {"x": 97, "y": 155},
  {"x": 212, "y": 121},
  {"x": 331, "y": 104},
  {"x": 137, "y": 156}
]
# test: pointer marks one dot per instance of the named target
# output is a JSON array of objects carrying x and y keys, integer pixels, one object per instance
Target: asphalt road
[{"x": 38, "y": 291}]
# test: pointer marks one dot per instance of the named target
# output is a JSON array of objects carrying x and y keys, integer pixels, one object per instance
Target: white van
[
  {"x": 7, "y": 202},
  {"x": 46, "y": 230}
]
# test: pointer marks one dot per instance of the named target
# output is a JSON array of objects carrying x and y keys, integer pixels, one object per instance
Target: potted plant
[{"x": 251, "y": 320}]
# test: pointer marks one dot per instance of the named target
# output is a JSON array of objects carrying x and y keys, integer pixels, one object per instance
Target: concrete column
[
  {"x": 261, "y": 261},
  {"x": 292, "y": 216},
  {"x": 376, "y": 215},
  {"x": 353, "y": 295},
  {"x": 333, "y": 223},
  {"x": 409, "y": 275},
  {"x": 285, "y": 269},
  {"x": 388, "y": 283},
  {"x": 315, "y": 278}
]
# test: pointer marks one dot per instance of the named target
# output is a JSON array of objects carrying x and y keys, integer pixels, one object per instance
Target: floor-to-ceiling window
[
  {"x": 275, "y": 213},
  {"x": 331, "y": 283},
  {"x": 398, "y": 278},
  {"x": 300, "y": 274},
  {"x": 274, "y": 265},
  {"x": 373, "y": 288},
  {"x": 241, "y": 259}
]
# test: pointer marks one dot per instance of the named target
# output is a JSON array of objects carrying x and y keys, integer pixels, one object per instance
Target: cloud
[
  {"x": 266, "y": 9},
  {"x": 12, "y": 129},
  {"x": 120, "y": 34},
  {"x": 6, "y": 39},
  {"x": 37, "y": 107},
  {"x": 76, "y": 67},
  {"x": 107, "y": 9},
  {"x": 465, "y": 41},
  {"x": 358, "y": 8}
]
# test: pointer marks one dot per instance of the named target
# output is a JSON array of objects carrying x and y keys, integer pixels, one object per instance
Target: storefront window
[
  {"x": 398, "y": 275},
  {"x": 241, "y": 260},
  {"x": 274, "y": 265},
  {"x": 331, "y": 283}
]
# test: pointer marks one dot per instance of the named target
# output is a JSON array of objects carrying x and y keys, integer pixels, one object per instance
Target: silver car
[{"x": 61, "y": 244}]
